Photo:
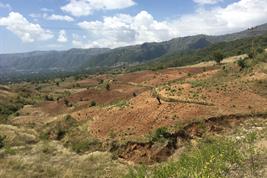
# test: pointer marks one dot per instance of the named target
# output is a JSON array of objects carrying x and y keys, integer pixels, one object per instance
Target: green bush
[{"x": 159, "y": 134}]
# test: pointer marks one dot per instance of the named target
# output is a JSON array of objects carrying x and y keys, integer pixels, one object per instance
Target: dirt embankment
[{"x": 152, "y": 152}]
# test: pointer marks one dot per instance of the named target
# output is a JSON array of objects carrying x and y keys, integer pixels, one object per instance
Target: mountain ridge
[{"x": 75, "y": 58}]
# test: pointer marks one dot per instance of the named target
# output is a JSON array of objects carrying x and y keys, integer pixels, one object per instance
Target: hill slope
[{"x": 48, "y": 60}]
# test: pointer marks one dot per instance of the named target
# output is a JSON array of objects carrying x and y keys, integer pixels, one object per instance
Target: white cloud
[
  {"x": 62, "y": 37},
  {"x": 26, "y": 31},
  {"x": 5, "y": 6},
  {"x": 235, "y": 17},
  {"x": 203, "y": 2},
  {"x": 123, "y": 29},
  {"x": 87, "y": 7},
  {"x": 59, "y": 18}
]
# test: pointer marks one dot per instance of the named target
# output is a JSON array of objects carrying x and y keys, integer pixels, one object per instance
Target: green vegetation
[
  {"x": 242, "y": 64},
  {"x": 11, "y": 106},
  {"x": 211, "y": 158},
  {"x": 118, "y": 103},
  {"x": 218, "y": 57},
  {"x": 81, "y": 146},
  {"x": 188, "y": 57},
  {"x": 159, "y": 134},
  {"x": 58, "y": 129}
]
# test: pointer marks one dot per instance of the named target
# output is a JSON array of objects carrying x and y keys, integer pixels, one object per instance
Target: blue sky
[{"x": 28, "y": 25}]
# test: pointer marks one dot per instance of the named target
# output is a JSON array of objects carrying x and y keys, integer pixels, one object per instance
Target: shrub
[
  {"x": 159, "y": 134},
  {"x": 242, "y": 64},
  {"x": 67, "y": 103},
  {"x": 92, "y": 104},
  {"x": 48, "y": 98},
  {"x": 107, "y": 87},
  {"x": 2, "y": 138}
]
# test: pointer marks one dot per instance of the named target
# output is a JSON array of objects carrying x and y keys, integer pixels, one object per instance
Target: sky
[{"x": 30, "y": 25}]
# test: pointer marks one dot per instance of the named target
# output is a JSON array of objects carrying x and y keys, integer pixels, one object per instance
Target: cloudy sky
[{"x": 28, "y": 25}]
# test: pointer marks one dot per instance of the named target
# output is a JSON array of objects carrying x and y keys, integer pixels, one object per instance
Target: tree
[{"x": 218, "y": 57}]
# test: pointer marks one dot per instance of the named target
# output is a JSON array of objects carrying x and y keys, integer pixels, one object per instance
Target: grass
[
  {"x": 118, "y": 104},
  {"x": 59, "y": 162},
  {"x": 232, "y": 154},
  {"x": 211, "y": 158},
  {"x": 81, "y": 146},
  {"x": 57, "y": 129}
]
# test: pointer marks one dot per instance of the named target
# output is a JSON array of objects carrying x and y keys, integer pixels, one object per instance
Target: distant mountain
[
  {"x": 150, "y": 51},
  {"x": 75, "y": 59},
  {"x": 48, "y": 60}
]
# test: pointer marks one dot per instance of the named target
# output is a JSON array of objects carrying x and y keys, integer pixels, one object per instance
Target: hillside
[
  {"x": 132, "y": 55},
  {"x": 113, "y": 125},
  {"x": 48, "y": 60},
  {"x": 151, "y": 51}
]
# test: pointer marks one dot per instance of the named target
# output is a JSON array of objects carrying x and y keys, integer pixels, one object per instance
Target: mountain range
[{"x": 76, "y": 59}]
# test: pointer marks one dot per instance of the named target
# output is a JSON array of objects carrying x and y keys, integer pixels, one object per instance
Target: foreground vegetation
[{"x": 212, "y": 157}]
